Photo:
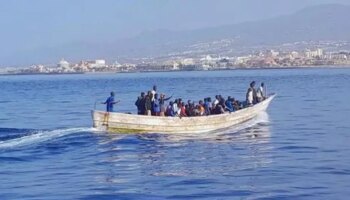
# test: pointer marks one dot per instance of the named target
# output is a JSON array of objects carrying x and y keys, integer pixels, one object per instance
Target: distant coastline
[
  {"x": 23, "y": 74},
  {"x": 194, "y": 70}
]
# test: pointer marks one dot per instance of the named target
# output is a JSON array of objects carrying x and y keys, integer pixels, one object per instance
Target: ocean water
[{"x": 298, "y": 149}]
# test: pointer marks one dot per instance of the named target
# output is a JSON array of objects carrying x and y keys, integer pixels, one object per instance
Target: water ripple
[{"x": 298, "y": 151}]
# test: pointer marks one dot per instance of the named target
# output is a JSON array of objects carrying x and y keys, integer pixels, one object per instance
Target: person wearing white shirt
[
  {"x": 154, "y": 92},
  {"x": 261, "y": 93},
  {"x": 251, "y": 96},
  {"x": 216, "y": 101},
  {"x": 175, "y": 107}
]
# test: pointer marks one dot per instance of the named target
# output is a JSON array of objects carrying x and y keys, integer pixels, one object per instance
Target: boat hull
[{"x": 129, "y": 123}]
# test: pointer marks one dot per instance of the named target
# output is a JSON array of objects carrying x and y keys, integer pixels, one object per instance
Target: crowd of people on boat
[{"x": 153, "y": 103}]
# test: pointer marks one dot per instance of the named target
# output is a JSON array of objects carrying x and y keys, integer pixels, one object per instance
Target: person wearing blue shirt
[
  {"x": 207, "y": 106},
  {"x": 110, "y": 102},
  {"x": 170, "y": 111},
  {"x": 228, "y": 104},
  {"x": 156, "y": 105}
]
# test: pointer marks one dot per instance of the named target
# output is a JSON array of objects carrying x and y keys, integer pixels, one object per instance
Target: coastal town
[{"x": 194, "y": 60}]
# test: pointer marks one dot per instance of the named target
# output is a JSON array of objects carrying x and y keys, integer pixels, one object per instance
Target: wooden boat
[{"x": 130, "y": 123}]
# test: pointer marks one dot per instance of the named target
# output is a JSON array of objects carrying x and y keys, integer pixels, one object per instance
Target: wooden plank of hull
[{"x": 128, "y": 123}]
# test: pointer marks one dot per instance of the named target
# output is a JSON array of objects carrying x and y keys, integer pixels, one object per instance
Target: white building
[
  {"x": 63, "y": 64},
  {"x": 337, "y": 56},
  {"x": 208, "y": 61},
  {"x": 242, "y": 59},
  {"x": 100, "y": 62},
  {"x": 314, "y": 54},
  {"x": 207, "y": 58},
  {"x": 187, "y": 61},
  {"x": 273, "y": 53},
  {"x": 96, "y": 63}
]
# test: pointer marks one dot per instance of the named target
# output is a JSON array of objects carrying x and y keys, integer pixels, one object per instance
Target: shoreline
[{"x": 157, "y": 71}]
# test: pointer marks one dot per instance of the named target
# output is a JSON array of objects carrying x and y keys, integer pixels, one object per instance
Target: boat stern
[{"x": 99, "y": 118}]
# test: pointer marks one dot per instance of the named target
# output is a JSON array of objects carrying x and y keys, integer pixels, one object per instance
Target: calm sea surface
[{"x": 299, "y": 149}]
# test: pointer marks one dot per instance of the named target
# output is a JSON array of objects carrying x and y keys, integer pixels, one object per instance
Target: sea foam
[{"x": 41, "y": 136}]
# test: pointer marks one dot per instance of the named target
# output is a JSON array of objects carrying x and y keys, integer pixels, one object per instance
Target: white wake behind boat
[{"x": 130, "y": 123}]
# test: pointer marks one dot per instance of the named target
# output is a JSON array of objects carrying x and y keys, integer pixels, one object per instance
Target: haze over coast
[{"x": 102, "y": 38}]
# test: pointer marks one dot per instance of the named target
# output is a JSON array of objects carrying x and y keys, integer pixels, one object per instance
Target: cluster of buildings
[
  {"x": 63, "y": 66},
  {"x": 256, "y": 59},
  {"x": 308, "y": 57},
  {"x": 259, "y": 59}
]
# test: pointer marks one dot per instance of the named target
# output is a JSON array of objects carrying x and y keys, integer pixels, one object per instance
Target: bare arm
[
  {"x": 115, "y": 102},
  {"x": 168, "y": 98}
]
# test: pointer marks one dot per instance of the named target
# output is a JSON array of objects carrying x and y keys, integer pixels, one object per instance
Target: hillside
[{"x": 326, "y": 22}]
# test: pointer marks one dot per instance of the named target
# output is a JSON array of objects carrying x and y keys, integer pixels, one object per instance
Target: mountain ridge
[{"x": 316, "y": 23}]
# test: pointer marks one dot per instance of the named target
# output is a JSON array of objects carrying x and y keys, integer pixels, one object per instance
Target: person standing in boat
[
  {"x": 140, "y": 104},
  {"x": 148, "y": 103},
  {"x": 175, "y": 107},
  {"x": 251, "y": 94},
  {"x": 154, "y": 92},
  {"x": 110, "y": 102},
  {"x": 162, "y": 106},
  {"x": 156, "y": 106},
  {"x": 260, "y": 94}
]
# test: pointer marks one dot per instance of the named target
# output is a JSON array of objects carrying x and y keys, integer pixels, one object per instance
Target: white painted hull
[{"x": 129, "y": 123}]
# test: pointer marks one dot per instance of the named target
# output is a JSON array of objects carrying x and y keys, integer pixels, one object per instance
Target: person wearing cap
[{"x": 110, "y": 102}]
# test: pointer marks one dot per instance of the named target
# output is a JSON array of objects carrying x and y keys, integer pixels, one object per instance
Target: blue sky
[{"x": 28, "y": 25}]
